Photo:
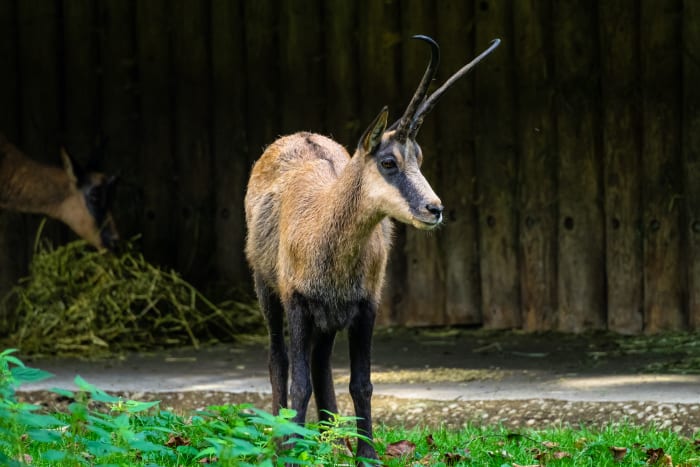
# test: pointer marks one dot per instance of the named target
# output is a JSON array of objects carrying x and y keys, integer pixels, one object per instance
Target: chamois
[
  {"x": 81, "y": 200},
  {"x": 319, "y": 232}
]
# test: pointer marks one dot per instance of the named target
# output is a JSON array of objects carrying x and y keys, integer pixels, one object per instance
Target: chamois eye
[{"x": 388, "y": 164}]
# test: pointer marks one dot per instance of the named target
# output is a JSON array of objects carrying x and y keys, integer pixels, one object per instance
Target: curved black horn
[
  {"x": 429, "y": 103},
  {"x": 409, "y": 115}
]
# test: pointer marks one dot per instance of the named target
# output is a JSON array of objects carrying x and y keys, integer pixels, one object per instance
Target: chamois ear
[
  {"x": 373, "y": 134},
  {"x": 72, "y": 169}
]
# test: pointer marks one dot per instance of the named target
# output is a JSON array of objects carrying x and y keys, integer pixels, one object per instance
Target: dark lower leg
[
  {"x": 278, "y": 363},
  {"x": 299, "y": 349},
  {"x": 360, "y": 341},
  {"x": 322, "y": 375}
]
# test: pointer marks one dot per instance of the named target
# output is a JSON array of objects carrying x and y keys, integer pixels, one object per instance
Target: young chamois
[
  {"x": 319, "y": 233},
  {"x": 81, "y": 200}
]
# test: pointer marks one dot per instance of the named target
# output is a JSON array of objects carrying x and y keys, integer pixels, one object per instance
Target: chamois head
[
  {"x": 397, "y": 186},
  {"x": 87, "y": 208}
]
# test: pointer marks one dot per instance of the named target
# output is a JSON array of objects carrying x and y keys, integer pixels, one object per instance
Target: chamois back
[{"x": 303, "y": 197}]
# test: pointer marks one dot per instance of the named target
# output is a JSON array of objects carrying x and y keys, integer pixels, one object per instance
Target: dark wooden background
[{"x": 568, "y": 162}]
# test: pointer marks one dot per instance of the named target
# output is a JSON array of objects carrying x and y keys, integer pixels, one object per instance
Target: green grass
[
  {"x": 565, "y": 446},
  {"x": 98, "y": 429}
]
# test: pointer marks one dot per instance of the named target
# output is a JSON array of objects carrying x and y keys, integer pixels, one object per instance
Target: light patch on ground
[{"x": 430, "y": 375}]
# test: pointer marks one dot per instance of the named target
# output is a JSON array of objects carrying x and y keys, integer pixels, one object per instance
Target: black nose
[
  {"x": 434, "y": 209},
  {"x": 110, "y": 240}
]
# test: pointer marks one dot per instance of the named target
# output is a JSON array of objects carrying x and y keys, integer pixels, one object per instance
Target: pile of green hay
[{"x": 82, "y": 302}]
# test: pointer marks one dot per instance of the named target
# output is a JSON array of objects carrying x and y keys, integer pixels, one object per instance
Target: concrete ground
[
  {"x": 494, "y": 373},
  {"x": 461, "y": 366}
]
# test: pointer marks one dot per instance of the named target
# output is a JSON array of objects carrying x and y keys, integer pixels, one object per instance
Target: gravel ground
[
  {"x": 513, "y": 414},
  {"x": 449, "y": 356}
]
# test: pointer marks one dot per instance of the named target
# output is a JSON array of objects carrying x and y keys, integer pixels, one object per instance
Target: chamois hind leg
[
  {"x": 322, "y": 374},
  {"x": 278, "y": 363},
  {"x": 300, "y": 334},
  {"x": 360, "y": 342}
]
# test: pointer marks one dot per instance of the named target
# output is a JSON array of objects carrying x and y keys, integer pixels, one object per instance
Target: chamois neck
[
  {"x": 28, "y": 186},
  {"x": 351, "y": 219}
]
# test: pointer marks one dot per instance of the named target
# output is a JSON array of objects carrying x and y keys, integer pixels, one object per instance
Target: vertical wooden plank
[
  {"x": 497, "y": 171},
  {"x": 341, "y": 73},
  {"x": 580, "y": 264},
  {"x": 262, "y": 75},
  {"x": 119, "y": 109},
  {"x": 9, "y": 99},
  {"x": 379, "y": 59},
  {"x": 619, "y": 35},
  {"x": 301, "y": 60},
  {"x": 262, "y": 66},
  {"x": 159, "y": 221},
  {"x": 192, "y": 137},
  {"x": 538, "y": 161},
  {"x": 691, "y": 153},
  {"x": 38, "y": 41},
  {"x": 455, "y": 149},
  {"x": 661, "y": 179},
  {"x": 425, "y": 298},
  {"x": 229, "y": 141},
  {"x": 12, "y": 238},
  {"x": 80, "y": 78},
  {"x": 379, "y": 71}
]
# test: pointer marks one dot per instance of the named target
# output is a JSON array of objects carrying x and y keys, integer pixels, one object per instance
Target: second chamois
[{"x": 80, "y": 199}]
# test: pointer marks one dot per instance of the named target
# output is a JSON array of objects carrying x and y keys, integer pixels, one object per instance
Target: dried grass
[{"x": 81, "y": 302}]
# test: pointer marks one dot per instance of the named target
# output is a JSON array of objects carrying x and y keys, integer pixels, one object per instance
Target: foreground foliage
[
  {"x": 100, "y": 429},
  {"x": 79, "y": 301}
]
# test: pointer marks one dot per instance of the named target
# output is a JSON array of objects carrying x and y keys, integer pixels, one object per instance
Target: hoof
[{"x": 366, "y": 452}]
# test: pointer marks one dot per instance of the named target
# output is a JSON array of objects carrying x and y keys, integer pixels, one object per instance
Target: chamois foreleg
[
  {"x": 300, "y": 335},
  {"x": 360, "y": 342},
  {"x": 322, "y": 375},
  {"x": 278, "y": 363}
]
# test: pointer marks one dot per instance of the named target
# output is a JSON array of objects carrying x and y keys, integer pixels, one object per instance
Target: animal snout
[
  {"x": 435, "y": 210},
  {"x": 109, "y": 238}
]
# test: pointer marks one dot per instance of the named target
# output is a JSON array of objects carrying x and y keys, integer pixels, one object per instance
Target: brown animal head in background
[
  {"x": 96, "y": 191},
  {"x": 80, "y": 199}
]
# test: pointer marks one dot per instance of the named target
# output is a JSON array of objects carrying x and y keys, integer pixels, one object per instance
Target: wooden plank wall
[
  {"x": 660, "y": 59},
  {"x": 537, "y": 200},
  {"x": 459, "y": 254},
  {"x": 568, "y": 162},
  {"x": 12, "y": 233},
  {"x": 691, "y": 154},
  {"x": 580, "y": 270},
  {"x": 619, "y": 34},
  {"x": 494, "y": 151}
]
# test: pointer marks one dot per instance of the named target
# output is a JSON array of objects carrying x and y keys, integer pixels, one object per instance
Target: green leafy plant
[
  {"x": 100, "y": 429},
  {"x": 15, "y": 415}
]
